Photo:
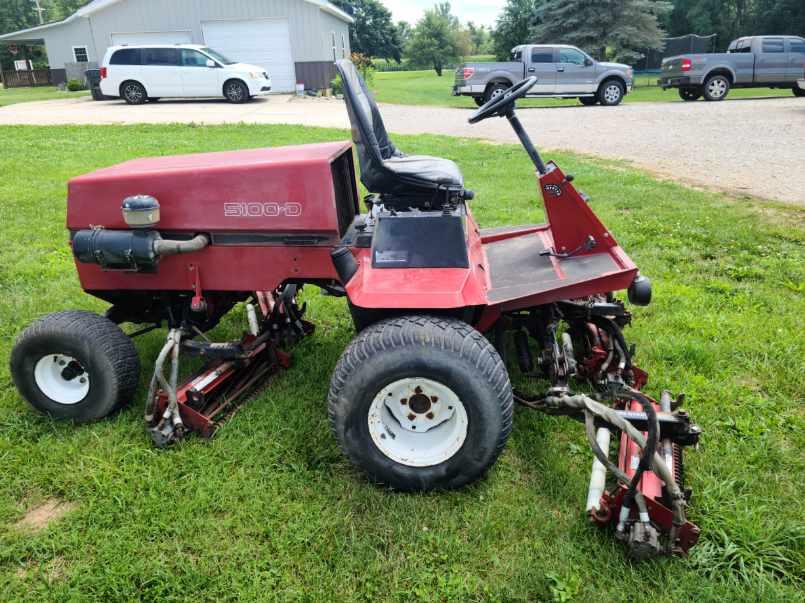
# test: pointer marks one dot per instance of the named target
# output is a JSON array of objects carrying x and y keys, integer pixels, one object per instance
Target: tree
[
  {"x": 373, "y": 33},
  {"x": 617, "y": 29},
  {"x": 404, "y": 32},
  {"x": 479, "y": 35},
  {"x": 513, "y": 26},
  {"x": 434, "y": 40}
]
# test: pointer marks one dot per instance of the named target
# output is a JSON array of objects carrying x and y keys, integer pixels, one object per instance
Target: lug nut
[{"x": 411, "y": 416}]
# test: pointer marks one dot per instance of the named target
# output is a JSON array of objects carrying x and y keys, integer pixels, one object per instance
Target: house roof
[{"x": 97, "y": 5}]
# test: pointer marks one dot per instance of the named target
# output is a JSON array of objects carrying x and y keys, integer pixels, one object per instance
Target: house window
[
  {"x": 343, "y": 46},
  {"x": 335, "y": 50},
  {"x": 80, "y": 54}
]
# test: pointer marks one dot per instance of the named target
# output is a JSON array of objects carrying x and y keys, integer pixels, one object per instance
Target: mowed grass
[
  {"x": 270, "y": 510},
  {"x": 427, "y": 88},
  {"x": 12, "y": 96}
]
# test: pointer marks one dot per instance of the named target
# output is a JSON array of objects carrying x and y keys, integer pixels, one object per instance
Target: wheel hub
[
  {"x": 62, "y": 378},
  {"x": 418, "y": 422}
]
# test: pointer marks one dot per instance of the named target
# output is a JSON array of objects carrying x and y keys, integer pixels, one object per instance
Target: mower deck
[{"x": 524, "y": 273}]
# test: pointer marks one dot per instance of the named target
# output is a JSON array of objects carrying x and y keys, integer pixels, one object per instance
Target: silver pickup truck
[
  {"x": 561, "y": 71},
  {"x": 752, "y": 62}
]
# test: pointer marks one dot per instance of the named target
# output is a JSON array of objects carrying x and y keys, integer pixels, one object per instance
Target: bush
[
  {"x": 337, "y": 85},
  {"x": 75, "y": 85}
]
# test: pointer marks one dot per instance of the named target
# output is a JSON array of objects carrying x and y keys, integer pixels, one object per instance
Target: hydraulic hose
[{"x": 163, "y": 247}]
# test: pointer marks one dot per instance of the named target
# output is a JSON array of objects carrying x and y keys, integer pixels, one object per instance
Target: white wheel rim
[
  {"x": 612, "y": 93},
  {"x": 418, "y": 422},
  {"x": 717, "y": 88},
  {"x": 61, "y": 378}
]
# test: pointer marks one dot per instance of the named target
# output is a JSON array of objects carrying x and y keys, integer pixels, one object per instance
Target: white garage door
[
  {"x": 263, "y": 43},
  {"x": 152, "y": 37}
]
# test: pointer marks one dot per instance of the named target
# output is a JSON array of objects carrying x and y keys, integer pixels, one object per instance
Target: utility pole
[{"x": 40, "y": 11}]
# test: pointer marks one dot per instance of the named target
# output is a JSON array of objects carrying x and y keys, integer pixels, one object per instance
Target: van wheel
[
  {"x": 133, "y": 93},
  {"x": 716, "y": 88},
  {"x": 690, "y": 94},
  {"x": 236, "y": 91},
  {"x": 75, "y": 365},
  {"x": 588, "y": 101},
  {"x": 798, "y": 91},
  {"x": 494, "y": 91},
  {"x": 611, "y": 93},
  {"x": 421, "y": 403}
]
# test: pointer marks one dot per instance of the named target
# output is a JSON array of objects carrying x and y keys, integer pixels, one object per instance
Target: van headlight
[{"x": 255, "y": 76}]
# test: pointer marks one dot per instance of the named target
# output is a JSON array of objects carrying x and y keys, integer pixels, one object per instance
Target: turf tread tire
[
  {"x": 463, "y": 343},
  {"x": 99, "y": 341}
]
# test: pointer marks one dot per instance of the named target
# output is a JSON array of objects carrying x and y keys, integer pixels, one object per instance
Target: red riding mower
[{"x": 421, "y": 399}]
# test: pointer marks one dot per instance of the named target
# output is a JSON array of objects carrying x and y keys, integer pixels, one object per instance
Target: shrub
[{"x": 75, "y": 85}]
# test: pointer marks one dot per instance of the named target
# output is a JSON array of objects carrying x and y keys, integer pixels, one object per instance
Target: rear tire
[
  {"x": 75, "y": 365},
  {"x": 236, "y": 92},
  {"x": 133, "y": 93},
  {"x": 716, "y": 88},
  {"x": 436, "y": 374},
  {"x": 495, "y": 90},
  {"x": 798, "y": 91},
  {"x": 588, "y": 101},
  {"x": 611, "y": 92},
  {"x": 479, "y": 100},
  {"x": 690, "y": 94}
]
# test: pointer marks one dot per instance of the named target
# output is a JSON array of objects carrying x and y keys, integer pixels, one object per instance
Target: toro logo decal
[
  {"x": 262, "y": 210},
  {"x": 553, "y": 189}
]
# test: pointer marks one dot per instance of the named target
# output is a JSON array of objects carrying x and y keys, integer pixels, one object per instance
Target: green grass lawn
[
  {"x": 426, "y": 88},
  {"x": 12, "y": 96},
  {"x": 269, "y": 509}
]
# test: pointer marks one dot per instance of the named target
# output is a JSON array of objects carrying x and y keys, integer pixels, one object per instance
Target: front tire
[
  {"x": 133, "y": 93},
  {"x": 690, "y": 94},
  {"x": 75, "y": 365},
  {"x": 798, "y": 91},
  {"x": 716, "y": 88},
  {"x": 611, "y": 93},
  {"x": 236, "y": 92},
  {"x": 421, "y": 403}
]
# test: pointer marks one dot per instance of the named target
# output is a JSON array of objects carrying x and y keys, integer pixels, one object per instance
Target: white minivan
[{"x": 140, "y": 73}]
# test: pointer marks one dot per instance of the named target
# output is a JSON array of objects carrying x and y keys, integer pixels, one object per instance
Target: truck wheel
[
  {"x": 716, "y": 88},
  {"x": 611, "y": 93},
  {"x": 479, "y": 100},
  {"x": 690, "y": 94},
  {"x": 421, "y": 403},
  {"x": 494, "y": 91},
  {"x": 588, "y": 101},
  {"x": 798, "y": 91},
  {"x": 75, "y": 365}
]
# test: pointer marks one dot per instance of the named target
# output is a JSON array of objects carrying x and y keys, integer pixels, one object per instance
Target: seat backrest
[{"x": 368, "y": 131}]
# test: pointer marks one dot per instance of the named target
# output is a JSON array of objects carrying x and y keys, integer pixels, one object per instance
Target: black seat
[{"x": 384, "y": 168}]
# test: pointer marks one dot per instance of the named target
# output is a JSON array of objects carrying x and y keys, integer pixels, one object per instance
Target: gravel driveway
[{"x": 754, "y": 147}]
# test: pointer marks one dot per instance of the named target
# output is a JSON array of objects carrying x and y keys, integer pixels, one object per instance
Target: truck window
[
  {"x": 772, "y": 45},
  {"x": 797, "y": 46},
  {"x": 517, "y": 55},
  {"x": 542, "y": 55},
  {"x": 571, "y": 55}
]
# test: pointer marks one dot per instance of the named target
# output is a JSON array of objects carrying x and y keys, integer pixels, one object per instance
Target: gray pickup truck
[
  {"x": 752, "y": 62},
  {"x": 561, "y": 72}
]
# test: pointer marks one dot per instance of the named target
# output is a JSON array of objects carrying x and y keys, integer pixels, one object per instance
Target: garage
[
  {"x": 152, "y": 37},
  {"x": 266, "y": 43}
]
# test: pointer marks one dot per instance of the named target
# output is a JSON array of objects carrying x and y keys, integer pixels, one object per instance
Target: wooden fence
[{"x": 27, "y": 79}]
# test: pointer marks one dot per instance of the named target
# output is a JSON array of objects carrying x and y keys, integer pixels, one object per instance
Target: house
[{"x": 294, "y": 40}]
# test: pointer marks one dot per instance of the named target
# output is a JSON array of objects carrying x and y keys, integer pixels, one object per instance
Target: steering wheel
[{"x": 498, "y": 106}]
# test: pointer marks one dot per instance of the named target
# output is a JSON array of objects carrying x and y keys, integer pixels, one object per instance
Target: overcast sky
[{"x": 481, "y": 12}]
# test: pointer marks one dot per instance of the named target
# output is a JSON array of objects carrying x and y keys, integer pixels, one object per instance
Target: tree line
[{"x": 620, "y": 30}]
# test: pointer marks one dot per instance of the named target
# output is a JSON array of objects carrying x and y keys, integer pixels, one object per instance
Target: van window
[
  {"x": 160, "y": 56},
  {"x": 193, "y": 58},
  {"x": 772, "y": 45},
  {"x": 542, "y": 55},
  {"x": 127, "y": 56}
]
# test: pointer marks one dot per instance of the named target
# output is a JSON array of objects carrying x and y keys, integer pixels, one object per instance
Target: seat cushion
[{"x": 425, "y": 169}]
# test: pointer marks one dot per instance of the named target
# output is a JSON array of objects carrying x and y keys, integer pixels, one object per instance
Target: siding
[{"x": 59, "y": 42}]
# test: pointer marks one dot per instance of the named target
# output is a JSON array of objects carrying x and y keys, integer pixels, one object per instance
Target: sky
[{"x": 481, "y": 12}]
